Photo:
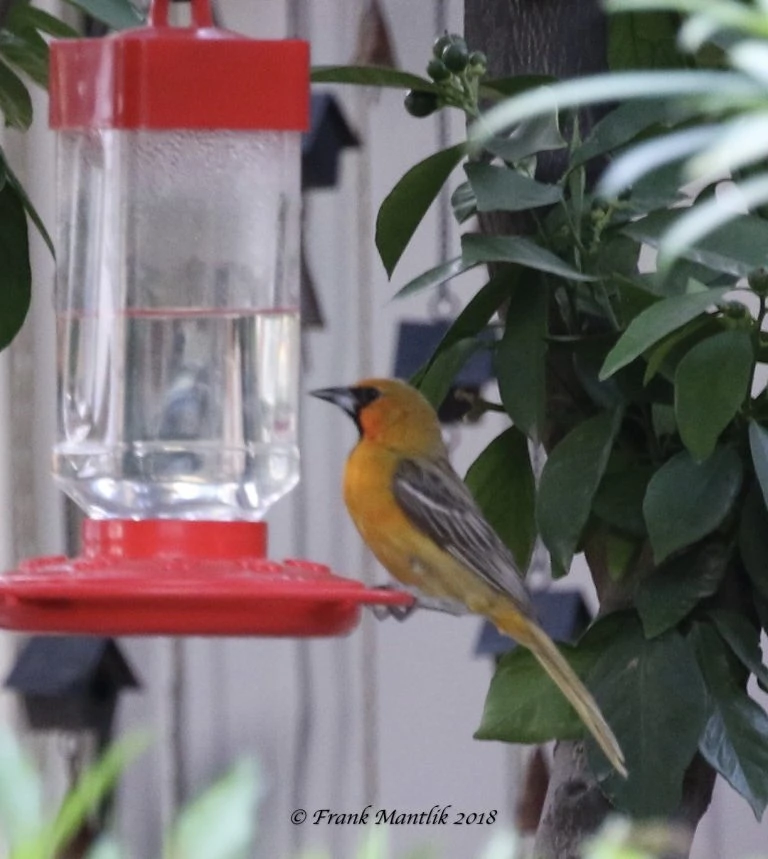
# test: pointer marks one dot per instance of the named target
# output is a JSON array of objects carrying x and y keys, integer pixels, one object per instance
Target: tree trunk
[{"x": 565, "y": 38}]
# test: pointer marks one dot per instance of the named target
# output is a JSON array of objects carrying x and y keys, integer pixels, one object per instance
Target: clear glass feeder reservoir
[{"x": 177, "y": 270}]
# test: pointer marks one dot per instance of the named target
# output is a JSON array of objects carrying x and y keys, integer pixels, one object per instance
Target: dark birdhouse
[
  {"x": 71, "y": 683},
  {"x": 321, "y": 146},
  {"x": 563, "y": 615},
  {"x": 417, "y": 342}
]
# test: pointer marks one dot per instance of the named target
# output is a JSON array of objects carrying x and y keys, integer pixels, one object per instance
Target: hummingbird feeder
[{"x": 179, "y": 152}]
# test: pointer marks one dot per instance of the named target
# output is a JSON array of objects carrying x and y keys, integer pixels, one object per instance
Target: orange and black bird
[{"x": 421, "y": 522}]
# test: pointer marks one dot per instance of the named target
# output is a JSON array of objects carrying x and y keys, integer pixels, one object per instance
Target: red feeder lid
[
  {"x": 164, "y": 77},
  {"x": 180, "y": 577}
]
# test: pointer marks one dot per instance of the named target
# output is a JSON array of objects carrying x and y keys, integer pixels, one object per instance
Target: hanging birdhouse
[
  {"x": 329, "y": 134},
  {"x": 562, "y": 614},
  {"x": 71, "y": 683},
  {"x": 177, "y": 302}
]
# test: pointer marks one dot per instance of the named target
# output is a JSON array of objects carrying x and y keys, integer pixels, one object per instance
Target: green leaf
[
  {"x": 17, "y": 187},
  {"x": 619, "y": 498},
  {"x": 15, "y": 101},
  {"x": 737, "y": 248},
  {"x": 540, "y": 134},
  {"x": 673, "y": 590},
  {"x": 656, "y": 322},
  {"x": 711, "y": 384},
  {"x": 570, "y": 477},
  {"x": 651, "y": 693},
  {"x": 23, "y": 15},
  {"x": 520, "y": 358},
  {"x": 117, "y": 14},
  {"x": 477, "y": 248},
  {"x": 686, "y": 500},
  {"x": 758, "y": 445},
  {"x": 743, "y": 638},
  {"x": 659, "y": 355},
  {"x": 523, "y": 705},
  {"x": 221, "y": 823},
  {"x": 734, "y": 740},
  {"x": 21, "y": 792},
  {"x": 647, "y": 40},
  {"x": 475, "y": 316},
  {"x": 620, "y": 126},
  {"x": 502, "y": 189},
  {"x": 508, "y": 87},
  {"x": 378, "y": 76},
  {"x": 407, "y": 203},
  {"x": 91, "y": 789},
  {"x": 16, "y": 282},
  {"x": 501, "y": 481},
  {"x": 436, "y": 382},
  {"x": 28, "y": 52},
  {"x": 753, "y": 540},
  {"x": 463, "y": 203},
  {"x": 439, "y": 274},
  {"x": 594, "y": 89}
]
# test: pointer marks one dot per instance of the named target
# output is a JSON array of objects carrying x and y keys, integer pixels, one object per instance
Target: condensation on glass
[{"x": 178, "y": 323}]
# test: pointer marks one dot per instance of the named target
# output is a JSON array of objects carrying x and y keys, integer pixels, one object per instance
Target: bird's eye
[{"x": 365, "y": 395}]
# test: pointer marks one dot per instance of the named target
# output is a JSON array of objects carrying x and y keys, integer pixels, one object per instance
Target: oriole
[{"x": 421, "y": 522}]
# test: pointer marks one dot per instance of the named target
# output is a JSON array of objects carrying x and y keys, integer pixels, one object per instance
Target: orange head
[{"x": 391, "y": 413}]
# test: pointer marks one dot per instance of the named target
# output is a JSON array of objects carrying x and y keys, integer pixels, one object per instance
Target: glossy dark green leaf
[
  {"x": 743, "y": 638},
  {"x": 16, "y": 280},
  {"x": 463, "y": 203},
  {"x": 658, "y": 356},
  {"x": 736, "y": 248},
  {"x": 657, "y": 321},
  {"x": 477, "y": 248},
  {"x": 502, "y": 189},
  {"x": 27, "y": 52},
  {"x": 524, "y": 706},
  {"x": 13, "y": 180},
  {"x": 407, "y": 203},
  {"x": 711, "y": 384},
  {"x": 15, "y": 101},
  {"x": 476, "y": 315},
  {"x": 569, "y": 480},
  {"x": 758, "y": 445},
  {"x": 644, "y": 40},
  {"x": 652, "y": 695},
  {"x": 24, "y": 15},
  {"x": 438, "y": 378},
  {"x": 376, "y": 76},
  {"x": 501, "y": 480},
  {"x": 619, "y": 499},
  {"x": 439, "y": 274},
  {"x": 735, "y": 740},
  {"x": 686, "y": 500},
  {"x": 753, "y": 540},
  {"x": 539, "y": 134},
  {"x": 117, "y": 14},
  {"x": 520, "y": 358},
  {"x": 674, "y": 589}
]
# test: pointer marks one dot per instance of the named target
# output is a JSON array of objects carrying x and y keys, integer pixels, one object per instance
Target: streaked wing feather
[{"x": 437, "y": 501}]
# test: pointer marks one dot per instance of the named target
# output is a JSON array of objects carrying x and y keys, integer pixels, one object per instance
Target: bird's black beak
[{"x": 345, "y": 398}]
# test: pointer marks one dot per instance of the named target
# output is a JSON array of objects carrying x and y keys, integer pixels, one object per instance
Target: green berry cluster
[{"x": 456, "y": 72}]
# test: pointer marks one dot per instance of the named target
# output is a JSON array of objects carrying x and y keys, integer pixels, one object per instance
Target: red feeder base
[{"x": 177, "y": 577}]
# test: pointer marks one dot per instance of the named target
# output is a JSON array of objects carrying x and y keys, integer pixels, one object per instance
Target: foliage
[
  {"x": 24, "y": 61},
  {"x": 647, "y": 389},
  {"x": 217, "y": 825}
]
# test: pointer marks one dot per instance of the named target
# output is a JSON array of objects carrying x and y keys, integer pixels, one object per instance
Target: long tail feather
[{"x": 554, "y": 663}]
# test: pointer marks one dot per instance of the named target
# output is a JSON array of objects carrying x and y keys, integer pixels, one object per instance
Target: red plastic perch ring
[{"x": 178, "y": 577}]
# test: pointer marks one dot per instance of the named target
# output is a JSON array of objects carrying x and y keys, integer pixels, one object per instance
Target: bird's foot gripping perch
[{"x": 403, "y": 612}]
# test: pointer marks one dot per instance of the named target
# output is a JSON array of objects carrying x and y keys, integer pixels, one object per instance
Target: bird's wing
[{"x": 438, "y": 502}]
